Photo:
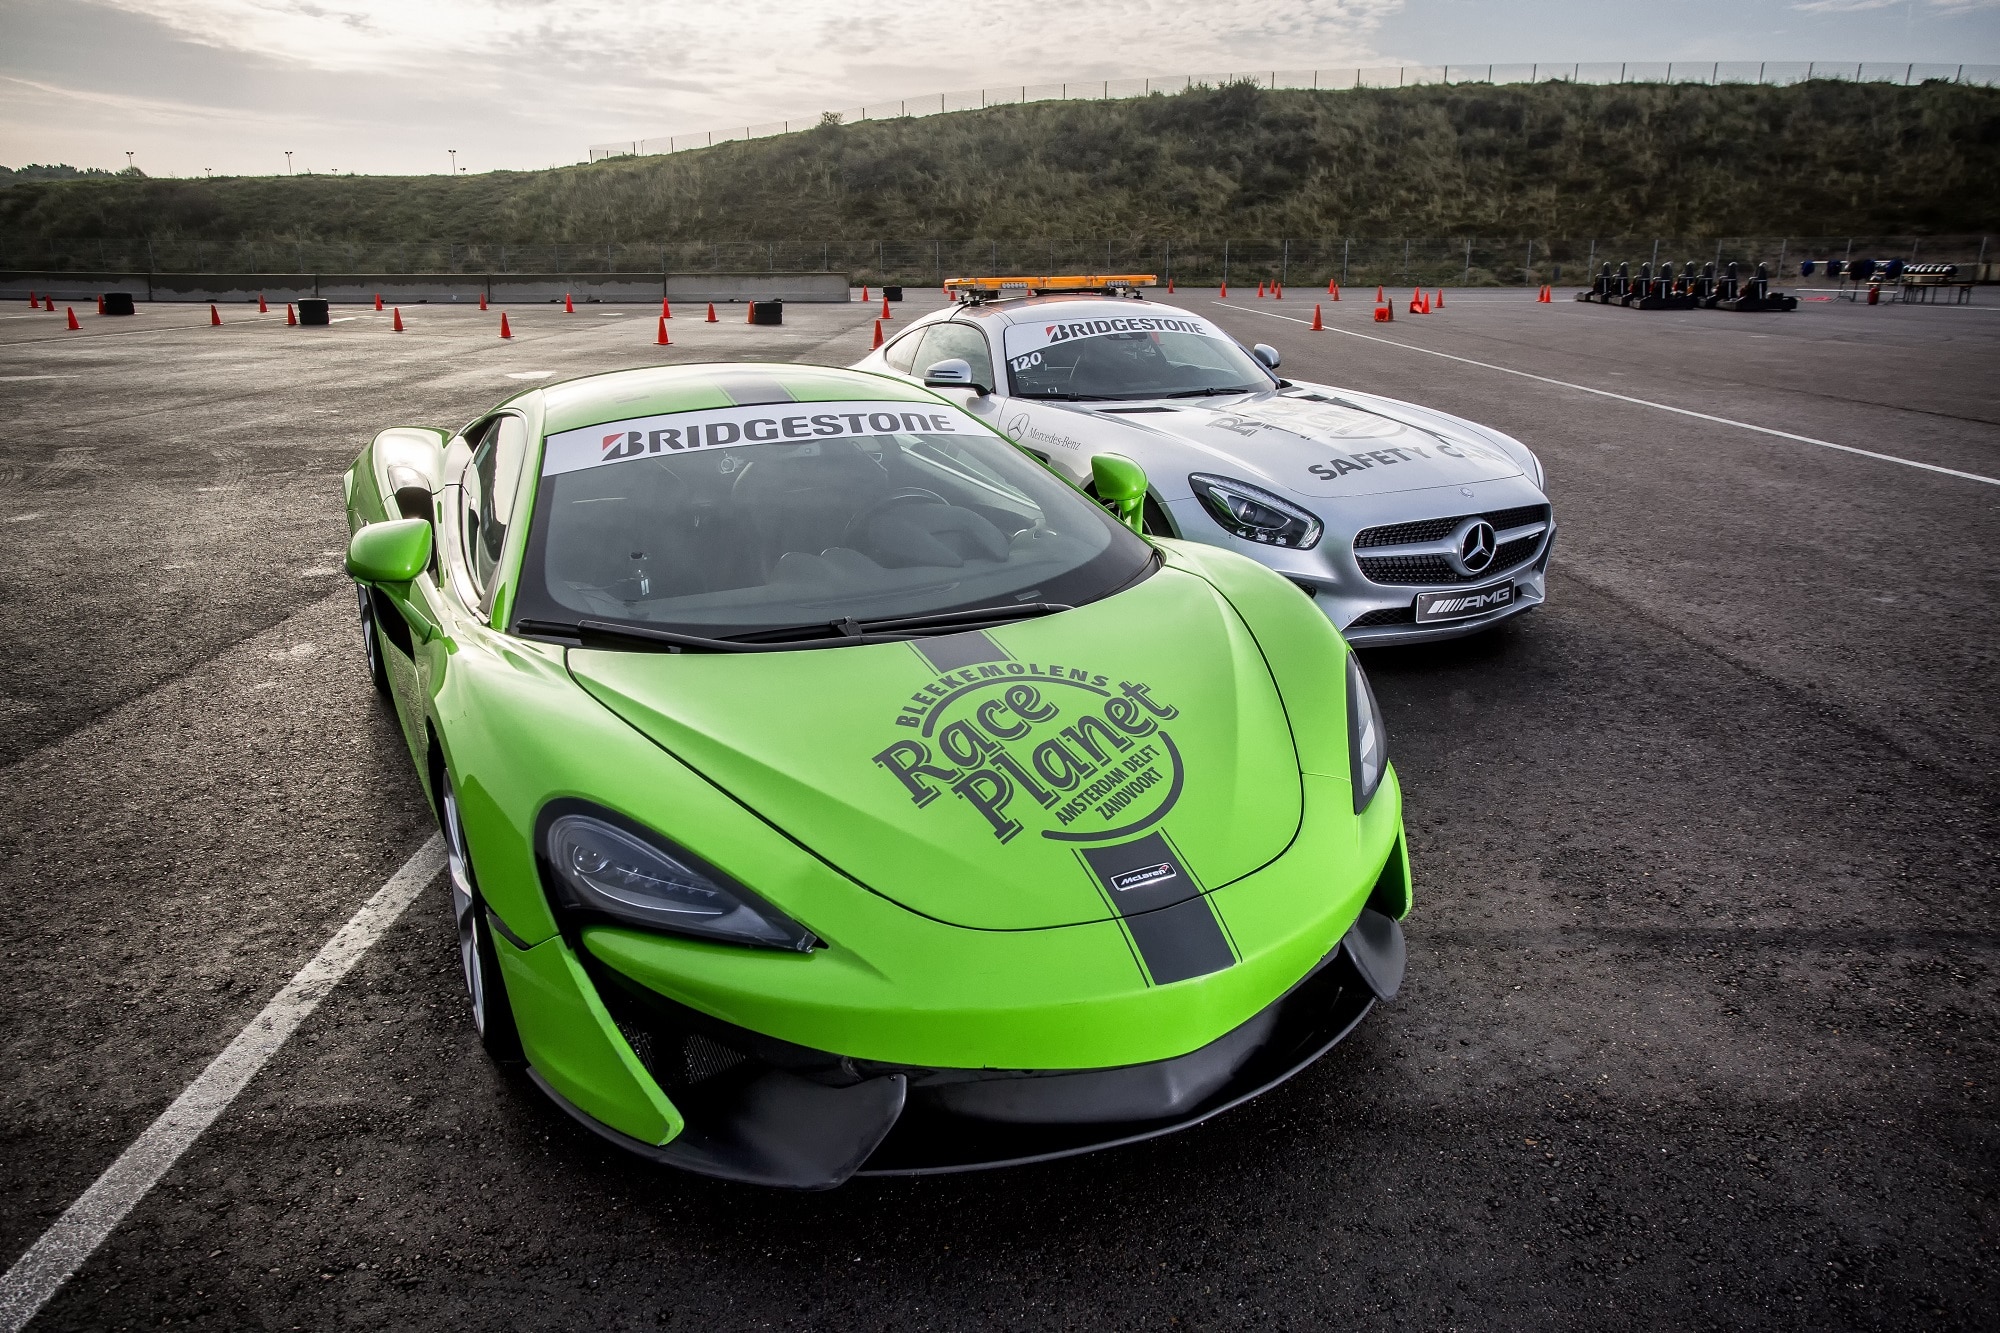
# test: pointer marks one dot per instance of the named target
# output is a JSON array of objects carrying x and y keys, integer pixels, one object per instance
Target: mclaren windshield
[
  {"x": 1166, "y": 355},
  {"x": 808, "y": 520}
]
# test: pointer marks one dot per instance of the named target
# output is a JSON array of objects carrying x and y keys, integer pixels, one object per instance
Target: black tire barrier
[
  {"x": 313, "y": 310},
  {"x": 767, "y": 312},
  {"x": 892, "y": 293},
  {"x": 118, "y": 303}
]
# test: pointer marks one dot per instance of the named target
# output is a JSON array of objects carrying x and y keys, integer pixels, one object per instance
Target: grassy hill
[{"x": 1552, "y": 159}]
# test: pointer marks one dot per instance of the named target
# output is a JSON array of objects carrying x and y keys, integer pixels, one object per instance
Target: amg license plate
[{"x": 1457, "y": 605}]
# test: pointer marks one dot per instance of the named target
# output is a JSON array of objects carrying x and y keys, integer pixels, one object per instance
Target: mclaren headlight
[
  {"x": 1255, "y": 515},
  {"x": 1367, "y": 742},
  {"x": 610, "y": 871}
]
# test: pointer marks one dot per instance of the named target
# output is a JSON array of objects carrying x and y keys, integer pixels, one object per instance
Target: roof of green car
[{"x": 654, "y": 390}]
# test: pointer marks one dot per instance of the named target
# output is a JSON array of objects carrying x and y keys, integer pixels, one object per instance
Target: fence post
[
  {"x": 1225, "y": 262},
  {"x": 1467, "y": 280},
  {"x": 1656, "y": 252},
  {"x": 1170, "y": 263},
  {"x": 1528, "y": 273},
  {"x": 1345, "y": 242},
  {"x": 1782, "y": 246},
  {"x": 1285, "y": 264},
  {"x": 1590, "y": 261}
]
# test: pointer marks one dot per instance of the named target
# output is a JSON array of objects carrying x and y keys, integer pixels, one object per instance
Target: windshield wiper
[
  {"x": 841, "y": 633},
  {"x": 1209, "y": 393}
]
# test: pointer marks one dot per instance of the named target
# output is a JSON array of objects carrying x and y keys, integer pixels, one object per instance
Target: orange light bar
[{"x": 1030, "y": 286}]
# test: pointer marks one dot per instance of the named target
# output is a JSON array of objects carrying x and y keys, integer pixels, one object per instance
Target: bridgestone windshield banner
[
  {"x": 1024, "y": 339},
  {"x": 733, "y": 427}
]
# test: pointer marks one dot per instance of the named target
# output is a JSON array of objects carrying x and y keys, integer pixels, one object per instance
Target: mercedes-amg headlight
[
  {"x": 611, "y": 872},
  {"x": 1253, "y": 514},
  {"x": 1367, "y": 741}
]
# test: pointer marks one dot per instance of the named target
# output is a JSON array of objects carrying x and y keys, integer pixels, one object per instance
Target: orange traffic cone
[
  {"x": 864, "y": 294},
  {"x": 1425, "y": 299},
  {"x": 291, "y": 316},
  {"x": 1317, "y": 326},
  {"x": 885, "y": 309},
  {"x": 663, "y": 340},
  {"x": 398, "y": 325},
  {"x": 100, "y": 303},
  {"x": 214, "y": 316},
  {"x": 1385, "y": 314},
  {"x": 1440, "y": 301},
  {"x": 482, "y": 300},
  {"x": 1416, "y": 309},
  {"x": 505, "y": 332},
  {"x": 1225, "y": 291},
  {"x": 1543, "y": 297},
  {"x": 1260, "y": 289},
  {"x": 878, "y": 335},
  {"x": 746, "y": 314},
  {"x": 1278, "y": 290},
  {"x": 34, "y": 301},
  {"x": 711, "y": 314},
  {"x": 72, "y": 317},
  {"x": 666, "y": 311},
  {"x": 262, "y": 309},
  {"x": 378, "y": 300},
  {"x": 1379, "y": 298},
  {"x": 569, "y": 306},
  {"x": 1333, "y": 290},
  {"x": 1170, "y": 286}
]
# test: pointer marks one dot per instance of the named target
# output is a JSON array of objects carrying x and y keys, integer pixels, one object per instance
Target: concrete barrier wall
[
  {"x": 428, "y": 288},
  {"x": 70, "y": 288},
  {"x": 801, "y": 287}
]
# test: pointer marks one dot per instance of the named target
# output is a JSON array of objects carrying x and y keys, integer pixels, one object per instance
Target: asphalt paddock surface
[{"x": 1699, "y": 1024}]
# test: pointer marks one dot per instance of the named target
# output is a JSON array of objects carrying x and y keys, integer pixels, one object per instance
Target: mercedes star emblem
[{"x": 1476, "y": 547}]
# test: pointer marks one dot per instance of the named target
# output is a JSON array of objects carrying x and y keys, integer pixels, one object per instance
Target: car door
[
  {"x": 453, "y": 597},
  {"x": 951, "y": 341}
]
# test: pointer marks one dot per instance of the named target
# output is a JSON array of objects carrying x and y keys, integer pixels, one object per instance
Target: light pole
[
  {"x": 454, "y": 160},
  {"x": 288, "y": 161},
  {"x": 128, "y": 162}
]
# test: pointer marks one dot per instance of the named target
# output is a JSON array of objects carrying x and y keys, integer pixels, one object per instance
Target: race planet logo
[{"x": 1077, "y": 755}]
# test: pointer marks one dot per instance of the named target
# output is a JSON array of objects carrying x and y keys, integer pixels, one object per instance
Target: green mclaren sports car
[{"x": 831, "y": 789}]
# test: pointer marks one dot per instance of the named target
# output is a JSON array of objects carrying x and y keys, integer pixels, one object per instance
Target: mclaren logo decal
[
  {"x": 1079, "y": 756},
  {"x": 1144, "y": 877}
]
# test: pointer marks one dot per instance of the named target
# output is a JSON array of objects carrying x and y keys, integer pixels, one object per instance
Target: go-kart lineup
[{"x": 1666, "y": 289}]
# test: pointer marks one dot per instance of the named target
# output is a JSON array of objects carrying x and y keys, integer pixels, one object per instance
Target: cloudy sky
[{"x": 391, "y": 85}]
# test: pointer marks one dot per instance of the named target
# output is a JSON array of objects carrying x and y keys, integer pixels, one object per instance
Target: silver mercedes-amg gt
[{"x": 1402, "y": 522}]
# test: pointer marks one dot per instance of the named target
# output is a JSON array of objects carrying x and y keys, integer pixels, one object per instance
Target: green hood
[{"x": 971, "y": 778}]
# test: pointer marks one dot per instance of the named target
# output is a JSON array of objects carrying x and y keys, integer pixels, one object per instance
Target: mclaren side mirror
[
  {"x": 392, "y": 552},
  {"x": 954, "y": 374},
  {"x": 1267, "y": 354},
  {"x": 1120, "y": 483}
]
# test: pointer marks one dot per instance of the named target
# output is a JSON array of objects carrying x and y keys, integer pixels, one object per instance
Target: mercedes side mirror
[
  {"x": 955, "y": 373},
  {"x": 1267, "y": 354},
  {"x": 1121, "y": 484},
  {"x": 392, "y": 552}
]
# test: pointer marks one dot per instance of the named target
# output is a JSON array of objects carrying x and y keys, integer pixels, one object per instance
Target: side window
[
  {"x": 903, "y": 351},
  {"x": 961, "y": 341},
  {"x": 489, "y": 486}
]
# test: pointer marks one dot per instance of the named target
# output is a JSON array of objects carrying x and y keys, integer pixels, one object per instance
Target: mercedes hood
[
  {"x": 1320, "y": 443},
  {"x": 1015, "y": 778}
]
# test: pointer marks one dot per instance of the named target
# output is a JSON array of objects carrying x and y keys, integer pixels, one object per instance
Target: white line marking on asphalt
[
  {"x": 1624, "y": 398},
  {"x": 75, "y": 1236}
]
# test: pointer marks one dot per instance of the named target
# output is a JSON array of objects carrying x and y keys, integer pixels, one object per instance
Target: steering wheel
[{"x": 907, "y": 495}]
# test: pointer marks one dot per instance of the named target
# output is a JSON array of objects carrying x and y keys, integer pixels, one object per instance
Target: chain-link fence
[
  {"x": 1773, "y": 72},
  {"x": 1403, "y": 261}
]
